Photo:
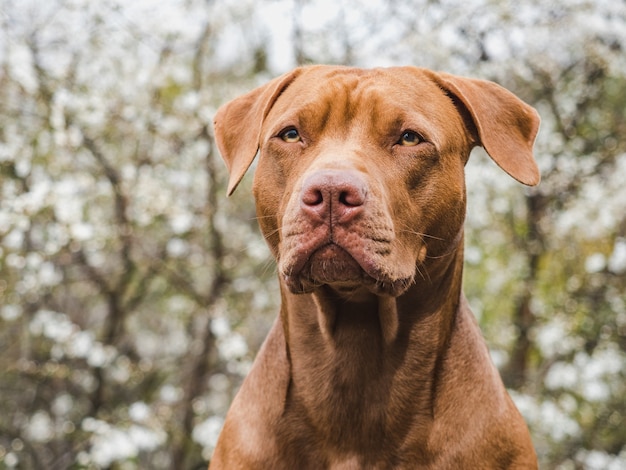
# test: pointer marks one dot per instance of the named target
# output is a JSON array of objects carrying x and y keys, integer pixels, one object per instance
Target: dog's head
[{"x": 361, "y": 175}]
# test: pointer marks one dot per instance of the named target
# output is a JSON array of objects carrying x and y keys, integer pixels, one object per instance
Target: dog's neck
[{"x": 378, "y": 356}]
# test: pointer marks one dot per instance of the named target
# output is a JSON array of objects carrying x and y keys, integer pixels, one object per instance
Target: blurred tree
[{"x": 115, "y": 269}]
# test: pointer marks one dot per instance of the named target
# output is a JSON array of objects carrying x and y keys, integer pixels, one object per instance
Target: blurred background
[{"x": 134, "y": 294}]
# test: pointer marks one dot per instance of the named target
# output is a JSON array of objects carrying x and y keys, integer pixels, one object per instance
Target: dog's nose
[{"x": 335, "y": 194}]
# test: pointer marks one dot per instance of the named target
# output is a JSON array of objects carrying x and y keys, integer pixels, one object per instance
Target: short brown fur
[{"x": 375, "y": 361}]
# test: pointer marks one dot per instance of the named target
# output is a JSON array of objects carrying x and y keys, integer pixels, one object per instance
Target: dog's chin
[{"x": 333, "y": 266}]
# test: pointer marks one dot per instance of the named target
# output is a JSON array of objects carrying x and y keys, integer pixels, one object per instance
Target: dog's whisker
[
  {"x": 262, "y": 217},
  {"x": 421, "y": 234}
]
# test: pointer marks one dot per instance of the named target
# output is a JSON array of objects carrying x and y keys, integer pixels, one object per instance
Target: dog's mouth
[{"x": 334, "y": 266}]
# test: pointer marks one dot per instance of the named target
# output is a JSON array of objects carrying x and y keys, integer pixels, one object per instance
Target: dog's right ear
[{"x": 238, "y": 125}]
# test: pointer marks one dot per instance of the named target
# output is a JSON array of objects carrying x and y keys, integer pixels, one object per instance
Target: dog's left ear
[
  {"x": 238, "y": 125},
  {"x": 506, "y": 126}
]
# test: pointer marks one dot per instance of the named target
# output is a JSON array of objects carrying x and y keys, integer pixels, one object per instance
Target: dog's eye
[
  {"x": 409, "y": 139},
  {"x": 290, "y": 135}
]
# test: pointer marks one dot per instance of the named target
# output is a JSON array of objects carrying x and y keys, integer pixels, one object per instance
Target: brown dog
[{"x": 376, "y": 361}]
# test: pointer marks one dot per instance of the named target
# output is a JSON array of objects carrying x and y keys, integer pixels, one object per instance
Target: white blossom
[
  {"x": 40, "y": 427},
  {"x": 617, "y": 260},
  {"x": 111, "y": 444},
  {"x": 595, "y": 263},
  {"x": 207, "y": 432}
]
